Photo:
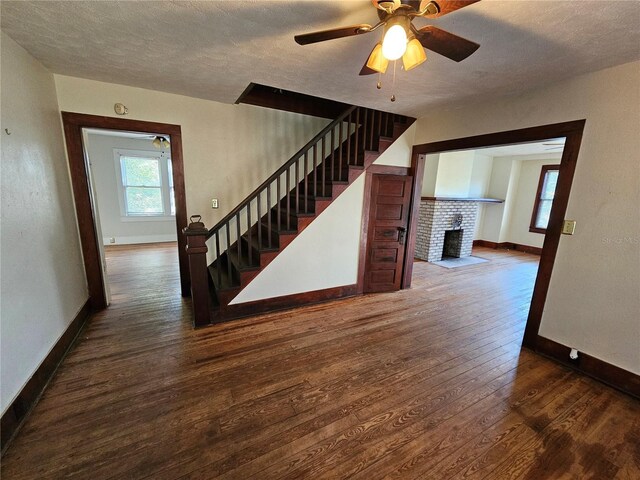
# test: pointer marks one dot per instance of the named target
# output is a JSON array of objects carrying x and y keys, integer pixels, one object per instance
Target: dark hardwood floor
[{"x": 428, "y": 383}]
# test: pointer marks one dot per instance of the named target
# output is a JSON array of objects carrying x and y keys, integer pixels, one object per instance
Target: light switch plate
[
  {"x": 568, "y": 227},
  {"x": 214, "y": 203}
]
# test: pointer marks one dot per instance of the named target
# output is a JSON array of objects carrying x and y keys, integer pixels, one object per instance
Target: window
[
  {"x": 544, "y": 198},
  {"x": 145, "y": 184}
]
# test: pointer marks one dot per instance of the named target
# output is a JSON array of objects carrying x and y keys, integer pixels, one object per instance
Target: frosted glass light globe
[{"x": 395, "y": 43}]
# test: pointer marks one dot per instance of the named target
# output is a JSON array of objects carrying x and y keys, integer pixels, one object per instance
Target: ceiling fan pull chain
[{"x": 393, "y": 83}]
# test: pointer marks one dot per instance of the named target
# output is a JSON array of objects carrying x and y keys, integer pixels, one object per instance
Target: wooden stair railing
[{"x": 268, "y": 219}]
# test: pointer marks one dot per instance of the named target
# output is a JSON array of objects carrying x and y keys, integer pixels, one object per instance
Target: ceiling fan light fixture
[
  {"x": 160, "y": 142},
  {"x": 394, "y": 43},
  {"x": 377, "y": 61},
  {"x": 414, "y": 56}
]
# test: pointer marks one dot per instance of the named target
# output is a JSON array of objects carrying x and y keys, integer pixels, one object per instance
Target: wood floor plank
[
  {"x": 424, "y": 383},
  {"x": 426, "y": 452}
]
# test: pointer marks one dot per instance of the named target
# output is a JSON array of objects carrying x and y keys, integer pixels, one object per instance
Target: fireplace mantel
[{"x": 463, "y": 199}]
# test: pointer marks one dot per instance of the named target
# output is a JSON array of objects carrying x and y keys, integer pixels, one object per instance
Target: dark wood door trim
[
  {"x": 572, "y": 131},
  {"x": 366, "y": 209},
  {"x": 73, "y": 124},
  {"x": 417, "y": 171}
]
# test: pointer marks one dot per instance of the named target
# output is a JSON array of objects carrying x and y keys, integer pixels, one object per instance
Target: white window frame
[{"x": 165, "y": 187}]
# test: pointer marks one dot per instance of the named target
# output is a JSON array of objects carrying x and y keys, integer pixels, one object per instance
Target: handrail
[{"x": 280, "y": 171}]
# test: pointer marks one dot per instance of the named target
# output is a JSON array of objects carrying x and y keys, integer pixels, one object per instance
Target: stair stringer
[{"x": 325, "y": 254}]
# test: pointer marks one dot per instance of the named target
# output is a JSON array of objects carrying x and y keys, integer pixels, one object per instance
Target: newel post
[{"x": 196, "y": 234}]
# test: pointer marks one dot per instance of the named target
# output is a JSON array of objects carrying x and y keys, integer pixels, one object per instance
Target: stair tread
[
  {"x": 346, "y": 161},
  {"x": 314, "y": 197},
  {"x": 283, "y": 209},
  {"x": 244, "y": 265},
  {"x": 226, "y": 284},
  {"x": 282, "y": 231},
  {"x": 265, "y": 247}
]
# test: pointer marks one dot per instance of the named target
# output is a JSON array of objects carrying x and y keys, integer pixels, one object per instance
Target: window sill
[
  {"x": 148, "y": 218},
  {"x": 537, "y": 230}
]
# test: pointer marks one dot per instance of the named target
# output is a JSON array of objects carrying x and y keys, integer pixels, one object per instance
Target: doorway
[
  {"x": 85, "y": 198},
  {"x": 571, "y": 135},
  {"x": 131, "y": 180}
]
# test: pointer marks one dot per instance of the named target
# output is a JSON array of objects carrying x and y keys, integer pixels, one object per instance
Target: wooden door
[{"x": 387, "y": 232}]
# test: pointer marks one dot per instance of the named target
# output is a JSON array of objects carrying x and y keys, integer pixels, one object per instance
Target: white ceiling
[
  {"x": 534, "y": 149},
  {"x": 213, "y": 50},
  {"x": 123, "y": 134}
]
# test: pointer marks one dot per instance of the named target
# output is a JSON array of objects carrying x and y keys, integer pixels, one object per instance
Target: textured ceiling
[{"x": 213, "y": 50}]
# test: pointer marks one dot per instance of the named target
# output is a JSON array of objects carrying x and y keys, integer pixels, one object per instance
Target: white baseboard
[{"x": 134, "y": 239}]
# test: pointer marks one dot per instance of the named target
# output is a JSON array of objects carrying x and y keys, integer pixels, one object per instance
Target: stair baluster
[{"x": 242, "y": 257}]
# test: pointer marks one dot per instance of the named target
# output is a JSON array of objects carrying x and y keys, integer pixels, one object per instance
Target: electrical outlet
[
  {"x": 214, "y": 203},
  {"x": 568, "y": 227}
]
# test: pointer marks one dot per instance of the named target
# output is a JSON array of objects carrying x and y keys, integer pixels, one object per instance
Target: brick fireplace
[{"x": 445, "y": 228}]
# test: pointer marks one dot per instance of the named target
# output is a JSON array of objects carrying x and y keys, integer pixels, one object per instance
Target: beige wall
[
  {"x": 594, "y": 299},
  {"x": 228, "y": 149},
  {"x": 42, "y": 275}
]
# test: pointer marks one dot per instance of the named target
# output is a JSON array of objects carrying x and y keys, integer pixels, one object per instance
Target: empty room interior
[{"x": 320, "y": 240}]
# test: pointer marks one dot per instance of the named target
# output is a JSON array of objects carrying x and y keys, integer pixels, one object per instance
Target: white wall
[
  {"x": 525, "y": 195},
  {"x": 228, "y": 149},
  {"x": 491, "y": 223},
  {"x": 594, "y": 301},
  {"x": 103, "y": 167},
  {"x": 479, "y": 186},
  {"x": 480, "y": 175},
  {"x": 514, "y": 179},
  {"x": 326, "y": 253},
  {"x": 431, "y": 163},
  {"x": 42, "y": 275},
  {"x": 454, "y": 174}
]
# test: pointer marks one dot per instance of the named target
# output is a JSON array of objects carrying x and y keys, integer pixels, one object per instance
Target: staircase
[{"x": 247, "y": 239}]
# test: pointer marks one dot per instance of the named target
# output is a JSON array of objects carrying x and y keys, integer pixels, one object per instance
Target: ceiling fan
[
  {"x": 401, "y": 38},
  {"x": 159, "y": 141}
]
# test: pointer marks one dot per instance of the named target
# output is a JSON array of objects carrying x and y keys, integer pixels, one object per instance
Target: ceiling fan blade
[
  {"x": 447, "y": 44},
  {"x": 322, "y": 35},
  {"x": 448, "y": 6}
]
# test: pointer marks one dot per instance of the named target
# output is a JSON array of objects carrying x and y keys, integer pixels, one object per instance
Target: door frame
[
  {"x": 73, "y": 124},
  {"x": 366, "y": 210},
  {"x": 572, "y": 131}
]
